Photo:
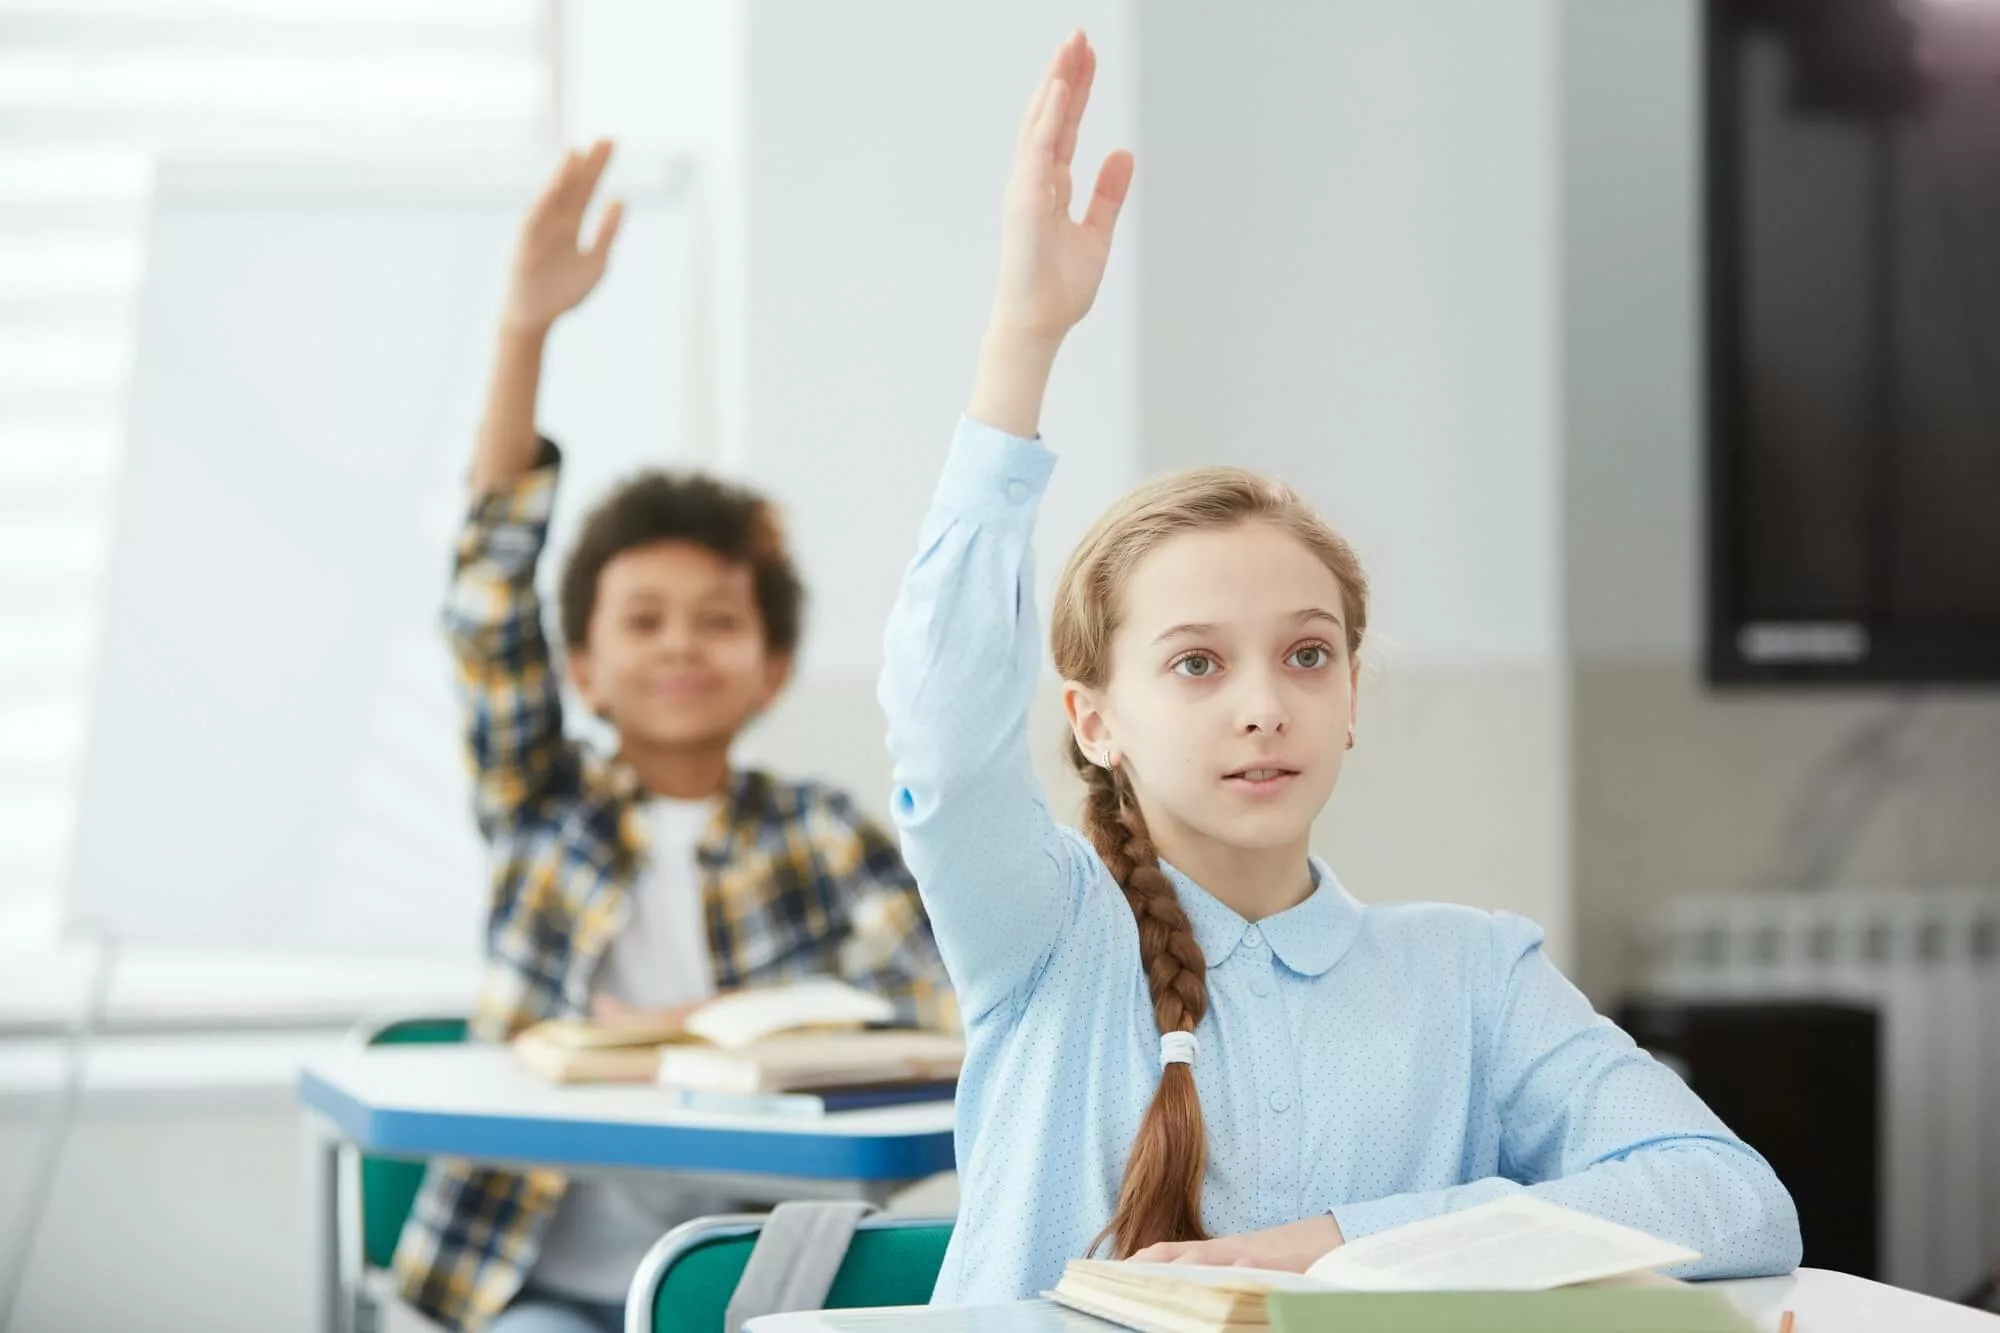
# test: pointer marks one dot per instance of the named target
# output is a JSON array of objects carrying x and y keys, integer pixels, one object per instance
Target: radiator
[{"x": 1930, "y": 961}]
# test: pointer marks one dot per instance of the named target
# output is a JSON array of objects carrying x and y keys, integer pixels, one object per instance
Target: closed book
[
  {"x": 812, "y": 1105},
  {"x": 809, "y": 1062},
  {"x": 555, "y": 1061}
]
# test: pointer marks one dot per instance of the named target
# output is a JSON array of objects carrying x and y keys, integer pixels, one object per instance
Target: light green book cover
[{"x": 1575, "y": 1310}]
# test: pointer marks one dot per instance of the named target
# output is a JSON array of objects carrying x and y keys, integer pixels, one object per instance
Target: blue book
[{"x": 810, "y": 1105}]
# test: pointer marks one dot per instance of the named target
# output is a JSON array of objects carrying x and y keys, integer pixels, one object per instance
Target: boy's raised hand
[
  {"x": 550, "y": 275},
  {"x": 1050, "y": 263},
  {"x": 551, "y": 272}
]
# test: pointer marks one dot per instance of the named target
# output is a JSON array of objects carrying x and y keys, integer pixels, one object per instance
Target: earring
[{"x": 1350, "y": 738}]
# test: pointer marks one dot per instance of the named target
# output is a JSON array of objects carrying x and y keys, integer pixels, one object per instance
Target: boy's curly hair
[{"x": 733, "y": 521}]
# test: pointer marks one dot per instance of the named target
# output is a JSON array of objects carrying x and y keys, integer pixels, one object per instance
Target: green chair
[
  {"x": 389, "y": 1185},
  {"x": 687, "y": 1279}
]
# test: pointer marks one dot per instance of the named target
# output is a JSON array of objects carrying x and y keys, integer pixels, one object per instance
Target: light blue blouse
[{"x": 1384, "y": 1063}]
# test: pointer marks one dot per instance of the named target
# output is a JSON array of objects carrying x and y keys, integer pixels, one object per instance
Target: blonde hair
[{"x": 1160, "y": 1197}]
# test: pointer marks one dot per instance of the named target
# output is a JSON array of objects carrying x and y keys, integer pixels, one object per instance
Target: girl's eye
[
  {"x": 1310, "y": 657},
  {"x": 1196, "y": 665}
]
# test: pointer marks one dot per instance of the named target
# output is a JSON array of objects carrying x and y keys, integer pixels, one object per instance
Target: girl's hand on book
[{"x": 1292, "y": 1248}]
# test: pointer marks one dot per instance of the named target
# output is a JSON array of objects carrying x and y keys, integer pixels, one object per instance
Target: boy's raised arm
[{"x": 507, "y": 683}]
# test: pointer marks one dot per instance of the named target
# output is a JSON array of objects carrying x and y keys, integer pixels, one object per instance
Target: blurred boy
[{"x": 651, "y": 879}]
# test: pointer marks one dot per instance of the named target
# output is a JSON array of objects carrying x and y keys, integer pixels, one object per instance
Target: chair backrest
[
  {"x": 685, "y": 1284},
  {"x": 389, "y": 1185}
]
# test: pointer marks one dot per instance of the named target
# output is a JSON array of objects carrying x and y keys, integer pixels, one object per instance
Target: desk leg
[
  {"x": 333, "y": 1205},
  {"x": 357, "y": 1311},
  {"x": 322, "y": 1195}
]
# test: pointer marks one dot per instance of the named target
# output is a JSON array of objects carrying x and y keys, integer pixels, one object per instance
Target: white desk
[
  {"x": 1821, "y": 1301},
  {"x": 476, "y": 1102}
]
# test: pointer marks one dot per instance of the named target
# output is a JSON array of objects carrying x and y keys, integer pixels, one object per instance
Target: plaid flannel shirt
[{"x": 795, "y": 882}]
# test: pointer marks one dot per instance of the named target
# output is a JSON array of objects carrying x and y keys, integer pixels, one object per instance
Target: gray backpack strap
[{"x": 795, "y": 1259}]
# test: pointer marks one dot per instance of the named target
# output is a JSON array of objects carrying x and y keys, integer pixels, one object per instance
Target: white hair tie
[{"x": 1178, "y": 1048}]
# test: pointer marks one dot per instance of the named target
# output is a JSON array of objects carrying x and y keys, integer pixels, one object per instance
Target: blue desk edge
[{"x": 601, "y": 1143}]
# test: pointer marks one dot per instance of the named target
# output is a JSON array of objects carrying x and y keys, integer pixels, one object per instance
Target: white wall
[
  {"x": 879, "y": 138},
  {"x": 1631, "y": 296},
  {"x": 668, "y": 79},
  {"x": 1678, "y": 789},
  {"x": 1348, "y": 280}
]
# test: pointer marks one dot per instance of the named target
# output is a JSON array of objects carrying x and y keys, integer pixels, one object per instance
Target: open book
[
  {"x": 1517, "y": 1244},
  {"x": 567, "y": 1050}
]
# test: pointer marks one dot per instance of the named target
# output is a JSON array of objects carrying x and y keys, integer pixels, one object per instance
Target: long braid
[{"x": 1160, "y": 1197}]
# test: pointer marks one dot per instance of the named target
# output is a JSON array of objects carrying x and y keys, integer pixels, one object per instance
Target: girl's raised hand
[{"x": 1050, "y": 263}]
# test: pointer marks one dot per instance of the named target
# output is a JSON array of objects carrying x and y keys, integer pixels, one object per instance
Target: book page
[
  {"x": 1519, "y": 1243},
  {"x": 745, "y": 1016},
  {"x": 1200, "y": 1275},
  {"x": 1020, "y": 1317},
  {"x": 1137, "y": 1313}
]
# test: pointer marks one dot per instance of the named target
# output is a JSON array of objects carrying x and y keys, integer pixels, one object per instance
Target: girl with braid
[{"x": 1186, "y": 1041}]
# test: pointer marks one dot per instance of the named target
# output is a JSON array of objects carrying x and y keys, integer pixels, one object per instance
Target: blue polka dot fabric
[{"x": 1385, "y": 1063}]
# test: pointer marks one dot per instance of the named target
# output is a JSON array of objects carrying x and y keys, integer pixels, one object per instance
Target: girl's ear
[{"x": 1088, "y": 724}]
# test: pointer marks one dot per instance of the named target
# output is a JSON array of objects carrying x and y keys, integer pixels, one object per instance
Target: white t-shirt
[
  {"x": 604, "y": 1226},
  {"x": 661, "y": 956}
]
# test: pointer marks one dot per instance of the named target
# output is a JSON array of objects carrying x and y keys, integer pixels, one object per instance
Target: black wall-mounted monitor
[{"x": 1853, "y": 361}]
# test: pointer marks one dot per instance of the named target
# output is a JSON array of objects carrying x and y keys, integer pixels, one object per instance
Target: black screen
[{"x": 1853, "y": 175}]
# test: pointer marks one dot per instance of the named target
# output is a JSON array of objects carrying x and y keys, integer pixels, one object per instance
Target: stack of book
[{"x": 799, "y": 1050}]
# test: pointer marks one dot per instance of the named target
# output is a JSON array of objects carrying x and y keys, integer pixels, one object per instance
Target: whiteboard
[{"x": 274, "y": 757}]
